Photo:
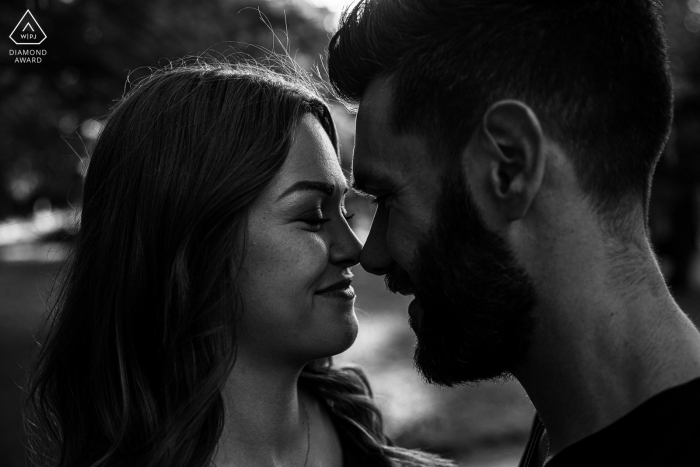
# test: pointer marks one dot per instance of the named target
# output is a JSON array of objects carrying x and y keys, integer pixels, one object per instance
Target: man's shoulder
[{"x": 664, "y": 430}]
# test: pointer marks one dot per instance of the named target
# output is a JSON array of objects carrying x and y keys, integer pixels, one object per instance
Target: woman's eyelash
[{"x": 317, "y": 222}]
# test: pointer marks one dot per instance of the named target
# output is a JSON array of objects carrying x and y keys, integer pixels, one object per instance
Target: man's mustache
[{"x": 397, "y": 280}]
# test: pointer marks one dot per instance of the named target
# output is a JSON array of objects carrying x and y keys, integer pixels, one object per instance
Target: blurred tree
[
  {"x": 92, "y": 46},
  {"x": 682, "y": 19},
  {"x": 674, "y": 209}
]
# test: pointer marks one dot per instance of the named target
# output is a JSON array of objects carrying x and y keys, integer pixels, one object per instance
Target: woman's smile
[
  {"x": 347, "y": 293},
  {"x": 341, "y": 289}
]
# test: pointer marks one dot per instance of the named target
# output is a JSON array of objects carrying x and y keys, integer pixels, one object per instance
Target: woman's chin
[
  {"x": 340, "y": 336},
  {"x": 350, "y": 334}
]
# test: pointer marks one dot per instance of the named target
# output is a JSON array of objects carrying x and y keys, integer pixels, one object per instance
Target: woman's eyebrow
[{"x": 305, "y": 185}]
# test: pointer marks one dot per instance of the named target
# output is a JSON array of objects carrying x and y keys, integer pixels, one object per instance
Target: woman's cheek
[
  {"x": 309, "y": 261},
  {"x": 285, "y": 268},
  {"x": 293, "y": 261}
]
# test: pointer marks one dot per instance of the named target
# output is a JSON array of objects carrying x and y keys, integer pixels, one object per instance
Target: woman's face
[{"x": 295, "y": 278}]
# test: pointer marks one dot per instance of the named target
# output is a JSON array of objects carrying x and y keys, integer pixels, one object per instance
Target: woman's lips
[
  {"x": 341, "y": 284},
  {"x": 347, "y": 293},
  {"x": 341, "y": 289}
]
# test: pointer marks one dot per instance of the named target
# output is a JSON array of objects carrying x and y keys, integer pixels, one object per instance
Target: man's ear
[{"x": 512, "y": 143}]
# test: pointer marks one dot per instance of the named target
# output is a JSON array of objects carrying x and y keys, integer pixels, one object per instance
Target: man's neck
[{"x": 601, "y": 348}]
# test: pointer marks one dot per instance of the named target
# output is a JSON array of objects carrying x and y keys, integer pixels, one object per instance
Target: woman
[{"x": 209, "y": 286}]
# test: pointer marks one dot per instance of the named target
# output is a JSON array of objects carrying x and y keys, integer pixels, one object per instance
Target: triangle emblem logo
[{"x": 27, "y": 31}]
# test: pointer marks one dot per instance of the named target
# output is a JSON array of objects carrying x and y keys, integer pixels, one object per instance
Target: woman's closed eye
[
  {"x": 316, "y": 220},
  {"x": 347, "y": 215}
]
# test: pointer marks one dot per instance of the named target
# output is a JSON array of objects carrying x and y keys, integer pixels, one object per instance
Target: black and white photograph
[{"x": 349, "y": 233}]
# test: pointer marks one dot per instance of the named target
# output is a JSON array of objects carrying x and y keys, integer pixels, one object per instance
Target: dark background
[{"x": 50, "y": 114}]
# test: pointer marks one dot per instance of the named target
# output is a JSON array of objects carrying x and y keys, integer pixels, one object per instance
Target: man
[{"x": 510, "y": 145}]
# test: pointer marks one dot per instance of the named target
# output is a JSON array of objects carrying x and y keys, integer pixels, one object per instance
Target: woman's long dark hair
[{"x": 141, "y": 331}]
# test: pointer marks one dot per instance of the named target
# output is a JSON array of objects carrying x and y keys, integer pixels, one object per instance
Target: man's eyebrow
[
  {"x": 305, "y": 185},
  {"x": 357, "y": 188},
  {"x": 363, "y": 182}
]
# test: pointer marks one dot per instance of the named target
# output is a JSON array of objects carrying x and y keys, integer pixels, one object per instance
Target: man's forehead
[
  {"x": 381, "y": 155},
  {"x": 375, "y": 105},
  {"x": 374, "y": 158},
  {"x": 373, "y": 126}
]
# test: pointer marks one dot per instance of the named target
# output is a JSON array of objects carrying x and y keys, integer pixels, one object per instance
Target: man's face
[{"x": 473, "y": 307}]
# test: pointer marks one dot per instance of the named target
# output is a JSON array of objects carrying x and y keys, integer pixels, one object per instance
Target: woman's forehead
[{"x": 311, "y": 157}]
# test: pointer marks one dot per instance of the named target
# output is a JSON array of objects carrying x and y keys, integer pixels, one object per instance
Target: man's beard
[{"x": 477, "y": 302}]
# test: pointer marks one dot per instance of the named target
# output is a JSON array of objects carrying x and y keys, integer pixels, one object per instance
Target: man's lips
[
  {"x": 414, "y": 310},
  {"x": 398, "y": 281},
  {"x": 404, "y": 291},
  {"x": 401, "y": 288}
]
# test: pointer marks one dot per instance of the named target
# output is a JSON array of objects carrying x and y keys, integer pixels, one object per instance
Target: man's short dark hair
[{"x": 595, "y": 72}]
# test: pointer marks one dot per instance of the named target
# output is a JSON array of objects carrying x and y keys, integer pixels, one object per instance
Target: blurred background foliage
[{"x": 50, "y": 113}]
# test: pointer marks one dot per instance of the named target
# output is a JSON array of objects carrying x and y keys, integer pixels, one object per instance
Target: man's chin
[
  {"x": 442, "y": 374},
  {"x": 452, "y": 367}
]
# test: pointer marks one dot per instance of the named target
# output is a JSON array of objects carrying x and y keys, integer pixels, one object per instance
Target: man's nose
[{"x": 375, "y": 257}]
